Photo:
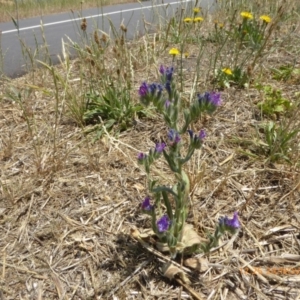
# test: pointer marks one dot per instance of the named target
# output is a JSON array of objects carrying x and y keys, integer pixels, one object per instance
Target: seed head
[
  {"x": 123, "y": 28},
  {"x": 83, "y": 25},
  {"x": 96, "y": 37}
]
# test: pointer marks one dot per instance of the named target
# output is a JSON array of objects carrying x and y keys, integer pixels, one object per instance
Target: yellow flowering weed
[
  {"x": 198, "y": 19},
  {"x": 174, "y": 51},
  {"x": 227, "y": 71},
  {"x": 246, "y": 15},
  {"x": 196, "y": 10},
  {"x": 265, "y": 18},
  {"x": 188, "y": 20}
]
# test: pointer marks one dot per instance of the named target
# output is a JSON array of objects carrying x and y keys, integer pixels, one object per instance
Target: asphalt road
[{"x": 58, "y": 27}]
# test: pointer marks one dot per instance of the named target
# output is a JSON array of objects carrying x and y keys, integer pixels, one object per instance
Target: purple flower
[
  {"x": 167, "y": 72},
  {"x": 203, "y": 98},
  {"x": 160, "y": 90},
  {"x": 141, "y": 156},
  {"x": 144, "y": 89},
  {"x": 234, "y": 222},
  {"x": 150, "y": 92},
  {"x": 211, "y": 98},
  {"x": 197, "y": 139},
  {"x": 215, "y": 99},
  {"x": 162, "y": 70},
  {"x": 163, "y": 224},
  {"x": 230, "y": 224},
  {"x": 146, "y": 204},
  {"x": 154, "y": 87},
  {"x": 174, "y": 136},
  {"x": 202, "y": 134},
  {"x": 168, "y": 87},
  {"x": 159, "y": 148}
]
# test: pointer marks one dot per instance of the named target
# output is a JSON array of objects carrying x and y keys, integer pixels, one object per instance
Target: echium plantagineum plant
[{"x": 170, "y": 226}]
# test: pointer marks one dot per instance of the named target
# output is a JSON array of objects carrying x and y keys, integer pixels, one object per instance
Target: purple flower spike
[
  {"x": 143, "y": 91},
  {"x": 153, "y": 88},
  {"x": 174, "y": 136},
  {"x": 169, "y": 73},
  {"x": 202, "y": 134},
  {"x": 168, "y": 87},
  {"x": 159, "y": 148},
  {"x": 146, "y": 204},
  {"x": 163, "y": 224},
  {"x": 234, "y": 223},
  {"x": 212, "y": 98}
]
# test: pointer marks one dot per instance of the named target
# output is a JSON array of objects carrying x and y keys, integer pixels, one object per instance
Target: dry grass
[
  {"x": 31, "y": 8},
  {"x": 68, "y": 202}
]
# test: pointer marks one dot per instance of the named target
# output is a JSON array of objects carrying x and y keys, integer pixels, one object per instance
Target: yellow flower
[
  {"x": 187, "y": 20},
  {"x": 265, "y": 18},
  {"x": 217, "y": 24},
  {"x": 196, "y": 10},
  {"x": 246, "y": 15},
  {"x": 227, "y": 71},
  {"x": 174, "y": 51},
  {"x": 186, "y": 54},
  {"x": 198, "y": 19}
]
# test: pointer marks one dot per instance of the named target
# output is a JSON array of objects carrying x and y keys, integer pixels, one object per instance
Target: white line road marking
[{"x": 93, "y": 16}]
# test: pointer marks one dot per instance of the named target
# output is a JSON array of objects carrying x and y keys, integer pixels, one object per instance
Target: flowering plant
[
  {"x": 251, "y": 34},
  {"x": 171, "y": 227},
  {"x": 227, "y": 77},
  {"x": 252, "y": 31}
]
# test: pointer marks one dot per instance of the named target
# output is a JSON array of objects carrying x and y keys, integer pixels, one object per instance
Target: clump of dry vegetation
[{"x": 71, "y": 187}]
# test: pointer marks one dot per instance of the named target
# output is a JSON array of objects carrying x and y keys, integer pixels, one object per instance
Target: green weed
[
  {"x": 285, "y": 72},
  {"x": 273, "y": 102},
  {"x": 227, "y": 77},
  {"x": 279, "y": 141},
  {"x": 114, "y": 107}
]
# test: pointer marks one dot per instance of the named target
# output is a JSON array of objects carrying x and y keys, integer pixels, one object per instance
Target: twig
[{"x": 189, "y": 289}]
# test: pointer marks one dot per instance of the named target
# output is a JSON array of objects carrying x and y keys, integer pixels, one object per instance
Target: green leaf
[{"x": 110, "y": 123}]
